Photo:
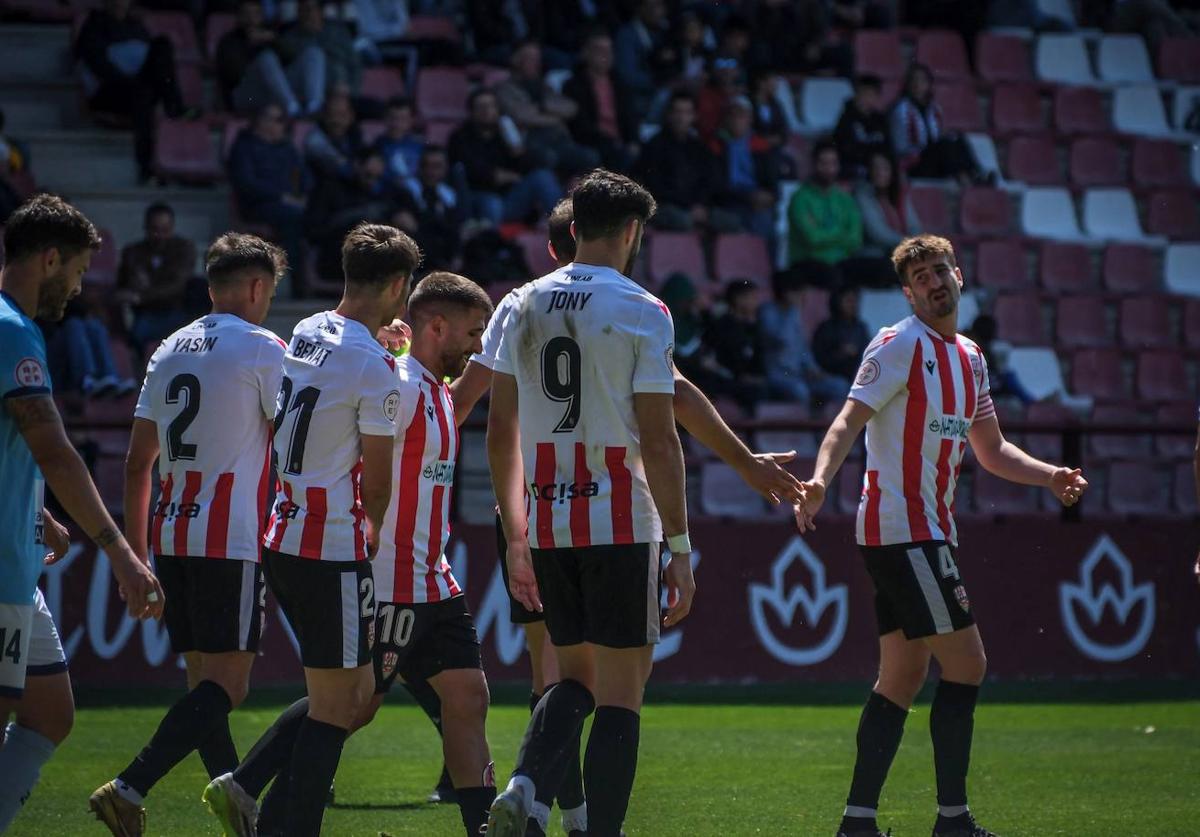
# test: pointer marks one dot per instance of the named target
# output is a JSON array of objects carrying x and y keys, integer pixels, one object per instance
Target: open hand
[
  {"x": 806, "y": 510},
  {"x": 394, "y": 336},
  {"x": 681, "y": 589},
  {"x": 768, "y": 477},
  {"x": 140, "y": 590},
  {"x": 1068, "y": 485},
  {"x": 57, "y": 538},
  {"x": 522, "y": 582}
]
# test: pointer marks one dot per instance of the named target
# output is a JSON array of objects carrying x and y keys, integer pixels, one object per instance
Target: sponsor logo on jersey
[
  {"x": 568, "y": 300},
  {"x": 194, "y": 345},
  {"x": 29, "y": 372},
  {"x": 868, "y": 373},
  {"x": 440, "y": 472},
  {"x": 1104, "y": 605},
  {"x": 311, "y": 353},
  {"x": 563, "y": 491},
  {"x": 287, "y": 509},
  {"x": 170, "y": 511},
  {"x": 930, "y": 365},
  {"x": 950, "y": 427},
  {"x": 391, "y": 405}
]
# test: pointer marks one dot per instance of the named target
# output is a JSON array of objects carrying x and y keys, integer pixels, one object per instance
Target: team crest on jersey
[
  {"x": 868, "y": 373},
  {"x": 670, "y": 354},
  {"x": 960, "y": 593},
  {"x": 391, "y": 405},
  {"x": 29, "y": 373},
  {"x": 390, "y": 658},
  {"x": 976, "y": 365}
]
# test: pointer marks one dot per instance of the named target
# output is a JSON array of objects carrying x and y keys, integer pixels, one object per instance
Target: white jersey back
[
  {"x": 490, "y": 342},
  {"x": 210, "y": 390},
  {"x": 338, "y": 384},
  {"x": 580, "y": 342},
  {"x": 411, "y": 566},
  {"x": 926, "y": 392}
]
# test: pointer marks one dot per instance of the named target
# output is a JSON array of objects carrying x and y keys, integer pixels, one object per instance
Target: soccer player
[
  {"x": 582, "y": 420},
  {"x": 205, "y": 413},
  {"x": 48, "y": 245},
  {"x": 922, "y": 393},
  {"x": 334, "y": 428}
]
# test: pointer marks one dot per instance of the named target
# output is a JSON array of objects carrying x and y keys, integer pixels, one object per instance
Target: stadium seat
[
  {"x": 821, "y": 101},
  {"x": 1095, "y": 161},
  {"x": 943, "y": 52},
  {"x": 1002, "y": 58},
  {"x": 1183, "y": 103},
  {"x": 1080, "y": 110},
  {"x": 1047, "y": 446},
  {"x": 177, "y": 28},
  {"x": 742, "y": 256},
  {"x": 217, "y": 26},
  {"x": 1061, "y": 10},
  {"x": 1065, "y": 268},
  {"x": 984, "y": 151},
  {"x": 383, "y": 83},
  {"x": 371, "y": 130},
  {"x": 1099, "y": 373},
  {"x": 1038, "y": 370},
  {"x": 1063, "y": 59},
  {"x": 932, "y": 208},
  {"x": 1178, "y": 59},
  {"x": 438, "y": 131},
  {"x": 1182, "y": 269},
  {"x": 432, "y": 28},
  {"x": 1118, "y": 445},
  {"x": 1138, "y": 109},
  {"x": 723, "y": 494},
  {"x": 1081, "y": 322},
  {"x": 442, "y": 93},
  {"x": 1048, "y": 212},
  {"x": 1019, "y": 320},
  {"x": 1129, "y": 268},
  {"x": 878, "y": 53},
  {"x": 676, "y": 252},
  {"x": 996, "y": 496},
  {"x": 1135, "y": 488},
  {"x": 533, "y": 245},
  {"x": 232, "y": 128},
  {"x": 1034, "y": 160},
  {"x": 1176, "y": 446},
  {"x": 884, "y": 308},
  {"x": 1001, "y": 265},
  {"x": 191, "y": 84},
  {"x": 184, "y": 152},
  {"x": 1162, "y": 376},
  {"x": 1145, "y": 323},
  {"x": 1191, "y": 324},
  {"x": 103, "y": 267},
  {"x": 1185, "y": 490},
  {"x": 1111, "y": 215},
  {"x": 1173, "y": 213},
  {"x": 1017, "y": 108},
  {"x": 985, "y": 211},
  {"x": 804, "y": 442},
  {"x": 1158, "y": 163},
  {"x": 1122, "y": 59},
  {"x": 960, "y": 106}
]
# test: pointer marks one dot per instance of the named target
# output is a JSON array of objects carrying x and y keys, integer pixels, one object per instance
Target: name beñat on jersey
[{"x": 310, "y": 353}]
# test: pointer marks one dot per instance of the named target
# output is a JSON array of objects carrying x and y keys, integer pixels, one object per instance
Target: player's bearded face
[
  {"x": 935, "y": 289},
  {"x": 59, "y": 287},
  {"x": 463, "y": 341}
]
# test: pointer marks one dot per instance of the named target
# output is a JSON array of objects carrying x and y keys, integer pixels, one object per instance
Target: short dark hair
[
  {"x": 233, "y": 255},
  {"x": 157, "y": 208},
  {"x": 47, "y": 222},
  {"x": 442, "y": 290},
  {"x": 558, "y": 230},
  {"x": 373, "y": 254},
  {"x": 604, "y": 202},
  {"x": 737, "y": 288},
  {"x": 821, "y": 146},
  {"x": 681, "y": 96},
  {"x": 868, "y": 81},
  {"x": 918, "y": 248}
]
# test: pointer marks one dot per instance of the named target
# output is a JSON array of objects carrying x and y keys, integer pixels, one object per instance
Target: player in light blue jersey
[{"x": 49, "y": 245}]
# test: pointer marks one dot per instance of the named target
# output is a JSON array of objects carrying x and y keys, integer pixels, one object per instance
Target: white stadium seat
[
  {"x": 1060, "y": 9},
  {"x": 1038, "y": 371},
  {"x": 1139, "y": 110},
  {"x": 1063, "y": 59},
  {"x": 1111, "y": 215},
  {"x": 1049, "y": 213},
  {"x": 1182, "y": 269},
  {"x": 984, "y": 150},
  {"x": 1123, "y": 59},
  {"x": 1185, "y": 100},
  {"x": 821, "y": 101}
]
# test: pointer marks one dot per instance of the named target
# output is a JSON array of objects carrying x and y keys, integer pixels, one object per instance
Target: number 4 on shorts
[
  {"x": 946, "y": 563},
  {"x": 11, "y": 648}
]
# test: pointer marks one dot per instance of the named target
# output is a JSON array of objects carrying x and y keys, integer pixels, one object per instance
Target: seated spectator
[
  {"x": 604, "y": 120},
  {"x": 435, "y": 212},
  {"x": 496, "y": 26},
  {"x": 381, "y": 26},
  {"x": 127, "y": 72},
  {"x": 862, "y": 129},
  {"x": 737, "y": 344},
  {"x": 343, "y": 67},
  {"x": 153, "y": 278},
  {"x": 746, "y": 179},
  {"x": 542, "y": 115},
  {"x": 331, "y": 146},
  {"x": 15, "y": 179},
  {"x": 400, "y": 144},
  {"x": 888, "y": 214},
  {"x": 726, "y": 81},
  {"x": 644, "y": 59},
  {"x": 562, "y": 26},
  {"x": 696, "y": 45},
  {"x": 839, "y": 342},
  {"x": 825, "y": 229},
  {"x": 922, "y": 147},
  {"x": 270, "y": 182},
  {"x": 505, "y": 186},
  {"x": 80, "y": 355},
  {"x": 251, "y": 75},
  {"x": 770, "y": 95},
  {"x": 793, "y": 36},
  {"x": 792, "y": 372}
]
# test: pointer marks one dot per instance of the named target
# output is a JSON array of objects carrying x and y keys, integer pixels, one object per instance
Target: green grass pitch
[{"x": 1048, "y": 760}]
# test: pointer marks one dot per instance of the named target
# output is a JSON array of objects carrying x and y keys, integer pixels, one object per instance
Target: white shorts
[{"x": 29, "y": 645}]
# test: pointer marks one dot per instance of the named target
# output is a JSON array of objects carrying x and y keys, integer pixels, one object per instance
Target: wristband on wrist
[{"x": 679, "y": 544}]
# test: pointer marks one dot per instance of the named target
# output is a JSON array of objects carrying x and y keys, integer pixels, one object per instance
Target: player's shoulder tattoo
[{"x": 32, "y": 410}]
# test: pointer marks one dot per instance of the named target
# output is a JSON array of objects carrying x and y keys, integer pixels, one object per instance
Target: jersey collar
[
  {"x": 425, "y": 373},
  {"x": 16, "y": 305}
]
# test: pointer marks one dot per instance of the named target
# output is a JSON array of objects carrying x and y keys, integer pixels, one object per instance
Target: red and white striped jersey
[
  {"x": 581, "y": 341},
  {"x": 926, "y": 391},
  {"x": 210, "y": 390},
  {"x": 338, "y": 385},
  {"x": 411, "y": 565}
]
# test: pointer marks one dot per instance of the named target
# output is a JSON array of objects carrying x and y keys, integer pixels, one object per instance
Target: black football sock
[
  {"x": 880, "y": 729},
  {"x": 609, "y": 767},
  {"x": 556, "y": 720},
  {"x": 951, "y": 725},
  {"x": 473, "y": 804},
  {"x": 535, "y": 698},
  {"x": 569, "y": 792},
  {"x": 315, "y": 761},
  {"x": 218, "y": 751},
  {"x": 184, "y": 728},
  {"x": 272, "y": 751},
  {"x": 427, "y": 698},
  {"x": 273, "y": 809}
]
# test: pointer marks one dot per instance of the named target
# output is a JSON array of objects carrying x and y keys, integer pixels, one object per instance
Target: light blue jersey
[{"x": 23, "y": 373}]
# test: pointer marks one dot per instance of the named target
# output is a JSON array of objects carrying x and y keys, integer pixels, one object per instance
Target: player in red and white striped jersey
[
  {"x": 922, "y": 393},
  {"x": 205, "y": 415}
]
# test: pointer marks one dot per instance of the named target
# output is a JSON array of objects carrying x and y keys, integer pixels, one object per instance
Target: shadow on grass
[{"x": 380, "y": 806}]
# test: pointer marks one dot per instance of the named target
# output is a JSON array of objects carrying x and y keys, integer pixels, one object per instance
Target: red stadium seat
[
  {"x": 1173, "y": 446},
  {"x": 960, "y": 106},
  {"x": 1185, "y": 490},
  {"x": 1130, "y": 268},
  {"x": 995, "y": 496},
  {"x": 1081, "y": 322},
  {"x": 1019, "y": 320},
  {"x": 985, "y": 211},
  {"x": 1001, "y": 265},
  {"x": 742, "y": 256},
  {"x": 442, "y": 93},
  {"x": 177, "y": 28},
  {"x": 1099, "y": 373},
  {"x": 1080, "y": 110},
  {"x": 1017, "y": 108},
  {"x": 382, "y": 83},
  {"x": 1118, "y": 445},
  {"x": 932, "y": 208},
  {"x": 1162, "y": 376},
  {"x": 537, "y": 257},
  {"x": 1191, "y": 324},
  {"x": 1065, "y": 268},
  {"x": 371, "y": 130},
  {"x": 1001, "y": 58},
  {"x": 432, "y": 28},
  {"x": 232, "y": 128},
  {"x": 676, "y": 252},
  {"x": 1047, "y": 446},
  {"x": 1135, "y": 488},
  {"x": 191, "y": 84},
  {"x": 1173, "y": 213},
  {"x": 1145, "y": 323},
  {"x": 1034, "y": 160},
  {"x": 943, "y": 52},
  {"x": 103, "y": 268},
  {"x": 217, "y": 26},
  {"x": 1158, "y": 163},
  {"x": 878, "y": 53},
  {"x": 184, "y": 151},
  {"x": 1096, "y": 161},
  {"x": 1179, "y": 59}
]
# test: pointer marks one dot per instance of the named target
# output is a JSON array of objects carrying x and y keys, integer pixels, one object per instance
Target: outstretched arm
[
  {"x": 1007, "y": 461},
  {"x": 468, "y": 388},
  {"x": 834, "y": 449}
]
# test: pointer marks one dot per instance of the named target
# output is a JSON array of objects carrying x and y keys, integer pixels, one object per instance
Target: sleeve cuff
[
  {"x": 26, "y": 392},
  {"x": 663, "y": 387}
]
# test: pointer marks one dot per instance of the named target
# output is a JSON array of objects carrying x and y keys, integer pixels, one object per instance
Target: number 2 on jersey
[
  {"x": 302, "y": 405},
  {"x": 187, "y": 387},
  {"x": 562, "y": 365}
]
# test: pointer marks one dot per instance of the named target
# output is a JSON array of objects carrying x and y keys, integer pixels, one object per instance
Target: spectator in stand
[
  {"x": 696, "y": 45},
  {"x": 839, "y": 342},
  {"x": 746, "y": 179},
  {"x": 793, "y": 36},
  {"x": 541, "y": 114},
  {"x": 381, "y": 27},
  {"x": 400, "y": 144},
  {"x": 505, "y": 186},
  {"x": 771, "y": 123},
  {"x": 737, "y": 344},
  {"x": 726, "y": 81},
  {"x": 332, "y": 145},
  {"x": 604, "y": 120},
  {"x": 434, "y": 210},
  {"x": 862, "y": 129},
  {"x": 127, "y": 72},
  {"x": 80, "y": 355},
  {"x": 562, "y": 26},
  {"x": 922, "y": 147},
  {"x": 792, "y": 372},
  {"x": 250, "y": 73},
  {"x": 270, "y": 182},
  {"x": 343, "y": 67},
  {"x": 1152, "y": 19},
  {"x": 887, "y": 211},
  {"x": 15, "y": 179},
  {"x": 861, "y": 14},
  {"x": 680, "y": 171},
  {"x": 645, "y": 58},
  {"x": 496, "y": 25},
  {"x": 153, "y": 278},
  {"x": 734, "y": 41}
]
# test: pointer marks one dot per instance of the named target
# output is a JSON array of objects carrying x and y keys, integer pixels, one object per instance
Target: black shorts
[
  {"x": 918, "y": 589},
  {"x": 213, "y": 605},
  {"x": 518, "y": 614},
  {"x": 605, "y": 595},
  {"x": 418, "y": 641},
  {"x": 330, "y": 606}
]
